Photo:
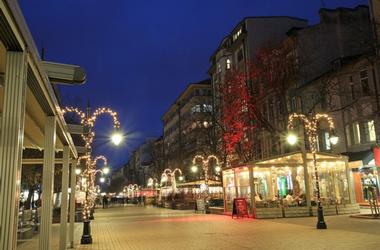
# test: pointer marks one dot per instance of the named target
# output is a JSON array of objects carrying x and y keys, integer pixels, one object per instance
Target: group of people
[
  {"x": 107, "y": 200},
  {"x": 287, "y": 200}
]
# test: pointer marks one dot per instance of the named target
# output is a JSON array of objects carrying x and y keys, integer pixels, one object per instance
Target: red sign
[{"x": 240, "y": 208}]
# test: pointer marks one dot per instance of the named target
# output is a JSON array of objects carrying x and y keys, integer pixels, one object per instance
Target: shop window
[
  {"x": 364, "y": 82},
  {"x": 356, "y": 132}
]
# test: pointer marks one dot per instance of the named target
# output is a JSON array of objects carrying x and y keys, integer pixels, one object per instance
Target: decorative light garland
[{"x": 205, "y": 167}]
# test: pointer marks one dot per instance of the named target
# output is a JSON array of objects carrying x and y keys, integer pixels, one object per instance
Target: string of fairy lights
[
  {"x": 311, "y": 126},
  {"x": 205, "y": 164}
]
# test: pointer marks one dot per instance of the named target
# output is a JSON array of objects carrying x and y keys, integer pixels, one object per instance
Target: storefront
[
  {"x": 366, "y": 179},
  {"x": 285, "y": 186}
]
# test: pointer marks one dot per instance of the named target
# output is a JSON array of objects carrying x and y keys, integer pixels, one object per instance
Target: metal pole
[{"x": 321, "y": 220}]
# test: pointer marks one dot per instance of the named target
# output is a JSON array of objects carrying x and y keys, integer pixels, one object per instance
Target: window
[
  {"x": 326, "y": 143},
  {"x": 352, "y": 88},
  {"x": 364, "y": 82},
  {"x": 369, "y": 131},
  {"x": 196, "y": 109},
  {"x": 348, "y": 134},
  {"x": 207, "y": 108},
  {"x": 219, "y": 68},
  {"x": 299, "y": 102},
  {"x": 240, "y": 55},
  {"x": 294, "y": 103},
  {"x": 356, "y": 130},
  {"x": 228, "y": 64},
  {"x": 237, "y": 34}
]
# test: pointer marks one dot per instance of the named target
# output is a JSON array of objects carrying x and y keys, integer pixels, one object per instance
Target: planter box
[
  {"x": 268, "y": 213},
  {"x": 291, "y": 212},
  {"x": 24, "y": 233},
  {"x": 349, "y": 209},
  {"x": 216, "y": 210}
]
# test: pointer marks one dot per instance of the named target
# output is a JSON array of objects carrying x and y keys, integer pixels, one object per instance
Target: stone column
[
  {"x": 11, "y": 144},
  {"x": 73, "y": 184},
  {"x": 64, "y": 208},
  {"x": 47, "y": 183}
]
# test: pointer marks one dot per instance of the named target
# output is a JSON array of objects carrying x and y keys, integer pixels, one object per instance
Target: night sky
[{"x": 139, "y": 55}]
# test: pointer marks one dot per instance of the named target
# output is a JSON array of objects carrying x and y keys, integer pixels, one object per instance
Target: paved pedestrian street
[{"x": 155, "y": 228}]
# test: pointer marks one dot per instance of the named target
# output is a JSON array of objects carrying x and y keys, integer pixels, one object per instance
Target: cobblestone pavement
[{"x": 154, "y": 228}]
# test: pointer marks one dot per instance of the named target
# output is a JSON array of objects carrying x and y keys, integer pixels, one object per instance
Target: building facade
[
  {"x": 188, "y": 127},
  {"x": 336, "y": 73}
]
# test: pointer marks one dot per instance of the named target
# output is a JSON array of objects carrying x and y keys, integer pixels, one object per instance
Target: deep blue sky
[{"x": 139, "y": 55}]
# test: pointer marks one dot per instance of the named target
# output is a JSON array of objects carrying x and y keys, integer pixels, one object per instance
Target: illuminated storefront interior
[{"x": 288, "y": 182}]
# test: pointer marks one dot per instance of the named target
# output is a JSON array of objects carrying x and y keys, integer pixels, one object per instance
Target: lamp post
[
  {"x": 205, "y": 166},
  {"x": 88, "y": 120},
  {"x": 311, "y": 126}
]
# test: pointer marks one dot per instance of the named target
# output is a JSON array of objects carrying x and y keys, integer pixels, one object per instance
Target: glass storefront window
[
  {"x": 242, "y": 179},
  {"x": 333, "y": 184},
  {"x": 229, "y": 188}
]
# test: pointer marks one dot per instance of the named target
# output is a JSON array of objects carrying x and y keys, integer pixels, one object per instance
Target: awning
[{"x": 364, "y": 156}]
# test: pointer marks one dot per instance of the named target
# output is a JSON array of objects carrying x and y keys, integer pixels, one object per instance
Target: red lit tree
[
  {"x": 251, "y": 98},
  {"x": 237, "y": 116}
]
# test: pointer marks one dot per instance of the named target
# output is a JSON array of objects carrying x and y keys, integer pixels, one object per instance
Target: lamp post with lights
[
  {"x": 130, "y": 189},
  {"x": 311, "y": 126},
  {"x": 88, "y": 120},
  {"x": 168, "y": 173},
  {"x": 205, "y": 162}
]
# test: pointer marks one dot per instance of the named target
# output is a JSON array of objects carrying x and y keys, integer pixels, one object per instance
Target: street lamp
[
  {"x": 87, "y": 120},
  {"x": 102, "y": 179},
  {"x": 292, "y": 138},
  {"x": 106, "y": 170},
  {"x": 78, "y": 171},
  {"x": 218, "y": 169},
  {"x": 194, "y": 169},
  {"x": 117, "y": 138},
  {"x": 311, "y": 127}
]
